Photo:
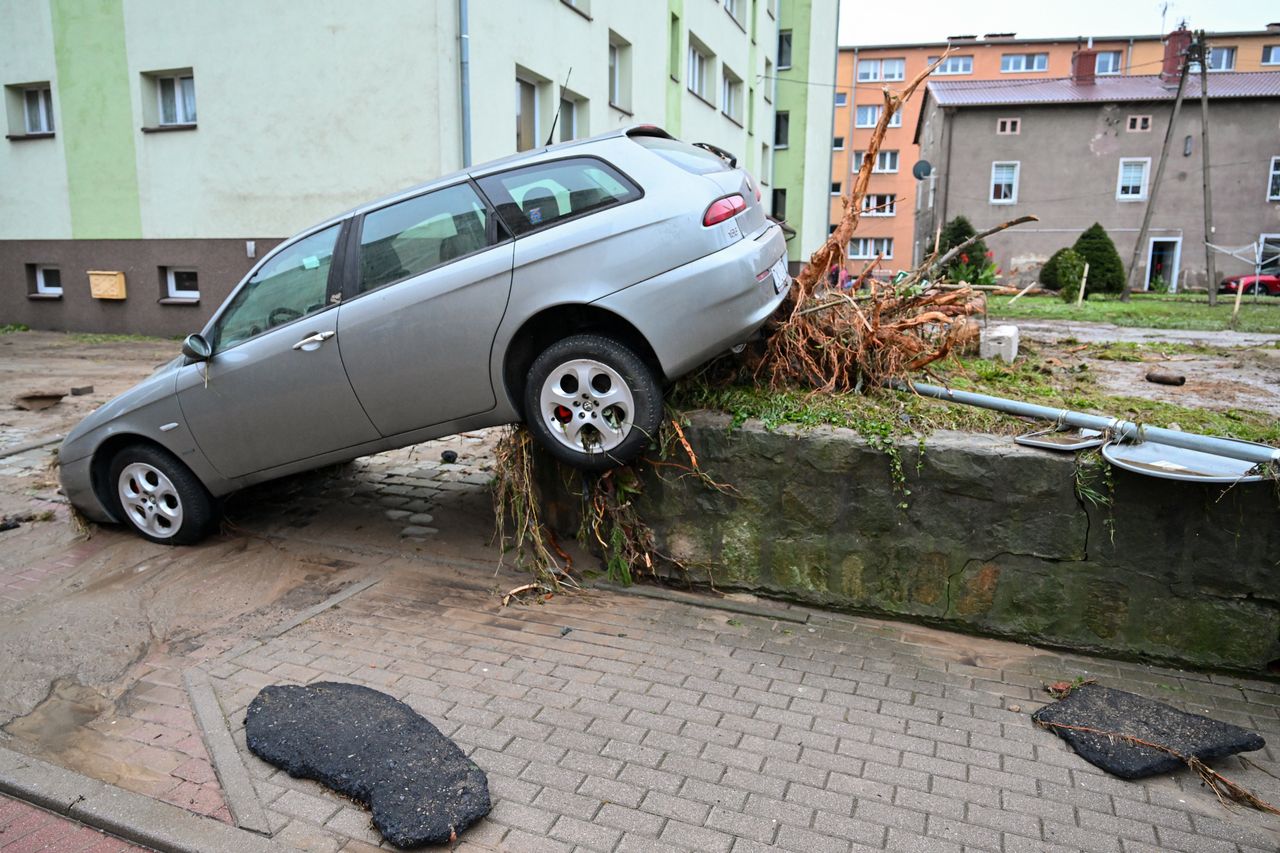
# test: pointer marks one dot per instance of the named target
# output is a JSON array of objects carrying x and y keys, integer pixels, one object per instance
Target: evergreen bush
[{"x": 1106, "y": 270}]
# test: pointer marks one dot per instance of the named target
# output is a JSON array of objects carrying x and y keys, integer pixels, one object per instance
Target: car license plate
[{"x": 780, "y": 277}]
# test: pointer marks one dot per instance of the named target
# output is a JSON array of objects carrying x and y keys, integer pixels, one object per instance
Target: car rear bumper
[
  {"x": 77, "y": 484},
  {"x": 697, "y": 311}
]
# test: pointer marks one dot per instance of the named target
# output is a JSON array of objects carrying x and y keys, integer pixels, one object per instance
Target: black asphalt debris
[
  {"x": 1107, "y": 712},
  {"x": 419, "y": 785},
  {"x": 449, "y": 457}
]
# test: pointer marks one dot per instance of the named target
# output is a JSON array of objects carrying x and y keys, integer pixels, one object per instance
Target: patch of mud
[{"x": 1248, "y": 380}]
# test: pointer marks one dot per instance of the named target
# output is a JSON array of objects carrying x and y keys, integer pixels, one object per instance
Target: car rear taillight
[{"x": 724, "y": 208}]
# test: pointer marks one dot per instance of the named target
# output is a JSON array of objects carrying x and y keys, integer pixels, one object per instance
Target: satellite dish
[{"x": 921, "y": 170}]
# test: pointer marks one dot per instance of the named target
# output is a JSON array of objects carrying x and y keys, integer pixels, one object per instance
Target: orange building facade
[{"x": 887, "y": 226}]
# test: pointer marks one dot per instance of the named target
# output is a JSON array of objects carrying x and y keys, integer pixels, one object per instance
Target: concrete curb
[
  {"x": 122, "y": 813},
  {"x": 14, "y": 450},
  {"x": 237, "y": 786},
  {"x": 337, "y": 598}
]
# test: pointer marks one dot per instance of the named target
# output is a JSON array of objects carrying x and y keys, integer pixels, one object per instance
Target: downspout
[
  {"x": 950, "y": 114},
  {"x": 464, "y": 81}
]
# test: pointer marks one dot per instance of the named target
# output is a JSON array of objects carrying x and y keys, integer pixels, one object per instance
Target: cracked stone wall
[{"x": 993, "y": 539}]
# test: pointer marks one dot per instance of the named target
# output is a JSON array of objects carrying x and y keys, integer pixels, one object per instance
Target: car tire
[
  {"x": 159, "y": 497},
  {"x": 592, "y": 403}
]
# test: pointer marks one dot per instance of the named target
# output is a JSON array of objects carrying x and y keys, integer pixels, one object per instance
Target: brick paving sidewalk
[
  {"x": 659, "y": 726},
  {"x": 27, "y": 829}
]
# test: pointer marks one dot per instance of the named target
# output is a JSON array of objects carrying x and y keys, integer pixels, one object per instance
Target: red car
[{"x": 1267, "y": 284}]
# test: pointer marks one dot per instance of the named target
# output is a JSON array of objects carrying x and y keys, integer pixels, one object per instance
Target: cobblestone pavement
[{"x": 27, "y": 829}]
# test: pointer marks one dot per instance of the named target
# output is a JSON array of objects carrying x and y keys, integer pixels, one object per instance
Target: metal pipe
[
  {"x": 1257, "y": 454},
  {"x": 464, "y": 81}
]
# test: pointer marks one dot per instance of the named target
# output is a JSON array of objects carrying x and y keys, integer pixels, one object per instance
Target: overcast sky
[{"x": 902, "y": 21}]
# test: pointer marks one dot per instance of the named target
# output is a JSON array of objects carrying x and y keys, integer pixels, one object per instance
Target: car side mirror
[{"x": 196, "y": 348}]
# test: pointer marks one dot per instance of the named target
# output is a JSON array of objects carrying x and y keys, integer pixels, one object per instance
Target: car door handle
[{"x": 313, "y": 341}]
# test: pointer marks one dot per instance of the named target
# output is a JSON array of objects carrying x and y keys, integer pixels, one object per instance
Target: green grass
[
  {"x": 10, "y": 328},
  {"x": 103, "y": 338},
  {"x": 1157, "y": 312},
  {"x": 882, "y": 415}
]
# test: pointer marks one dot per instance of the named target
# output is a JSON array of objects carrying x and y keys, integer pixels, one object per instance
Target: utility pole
[
  {"x": 1201, "y": 50},
  {"x": 1155, "y": 184}
]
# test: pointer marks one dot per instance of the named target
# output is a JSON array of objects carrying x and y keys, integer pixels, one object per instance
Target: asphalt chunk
[{"x": 421, "y": 788}]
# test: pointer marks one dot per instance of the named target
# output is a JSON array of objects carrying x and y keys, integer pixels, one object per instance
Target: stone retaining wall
[{"x": 993, "y": 539}]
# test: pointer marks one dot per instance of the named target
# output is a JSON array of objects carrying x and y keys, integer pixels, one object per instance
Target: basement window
[
  {"x": 44, "y": 282},
  {"x": 181, "y": 283}
]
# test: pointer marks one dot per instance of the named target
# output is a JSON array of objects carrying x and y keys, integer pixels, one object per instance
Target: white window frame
[
  {"x": 953, "y": 65},
  {"x": 1009, "y": 126},
  {"x": 537, "y": 110},
  {"x": 615, "y": 74},
  {"x": 1119, "y": 64},
  {"x": 696, "y": 72},
  {"x": 899, "y": 64},
  {"x": 872, "y": 70},
  {"x": 785, "y": 144},
  {"x": 1134, "y": 123},
  {"x": 1273, "y": 180},
  {"x": 1228, "y": 53},
  {"x": 769, "y": 81},
  {"x": 837, "y": 144},
  {"x": 44, "y": 110},
  {"x": 882, "y": 157},
  {"x": 1027, "y": 63},
  {"x": 836, "y": 187},
  {"x": 182, "y": 115},
  {"x": 842, "y": 99},
  {"x": 1271, "y": 54},
  {"x": 858, "y": 113},
  {"x": 791, "y": 45},
  {"x": 568, "y": 129},
  {"x": 171, "y": 287},
  {"x": 866, "y": 248},
  {"x": 48, "y": 289},
  {"x": 991, "y": 186},
  {"x": 880, "y": 204},
  {"x": 731, "y": 94},
  {"x": 1146, "y": 177}
]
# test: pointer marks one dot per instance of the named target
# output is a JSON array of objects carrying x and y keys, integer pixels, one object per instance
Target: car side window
[
  {"x": 290, "y": 285},
  {"x": 543, "y": 194},
  {"x": 410, "y": 237}
]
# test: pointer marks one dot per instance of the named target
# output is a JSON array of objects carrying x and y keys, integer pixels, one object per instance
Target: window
[
  {"x": 734, "y": 8},
  {"x": 1015, "y": 62},
  {"x": 619, "y": 72},
  {"x": 1273, "y": 184},
  {"x": 568, "y": 120},
  {"x": 886, "y": 161},
  {"x": 879, "y": 204},
  {"x": 526, "y": 115},
  {"x": 583, "y": 6},
  {"x": 769, "y": 82},
  {"x": 871, "y": 70},
  {"x": 47, "y": 280},
  {"x": 1222, "y": 59},
  {"x": 292, "y": 284},
  {"x": 953, "y": 65},
  {"x": 867, "y": 116},
  {"x": 781, "y": 129},
  {"x": 701, "y": 66},
  {"x": 1109, "y": 62},
  {"x": 835, "y": 187},
  {"x": 766, "y": 164},
  {"x": 673, "y": 48},
  {"x": 412, "y": 236},
  {"x": 870, "y": 247},
  {"x": 537, "y": 196},
  {"x": 784, "y": 49},
  {"x": 37, "y": 109},
  {"x": 177, "y": 99},
  {"x": 842, "y": 99},
  {"x": 1008, "y": 126},
  {"x": 838, "y": 143},
  {"x": 1139, "y": 124},
  {"x": 1004, "y": 183},
  {"x": 181, "y": 283},
  {"x": 1271, "y": 54},
  {"x": 731, "y": 94},
  {"x": 1131, "y": 180},
  {"x": 779, "y": 204}
]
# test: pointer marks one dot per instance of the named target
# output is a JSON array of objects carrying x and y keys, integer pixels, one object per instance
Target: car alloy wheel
[
  {"x": 592, "y": 402},
  {"x": 150, "y": 500}
]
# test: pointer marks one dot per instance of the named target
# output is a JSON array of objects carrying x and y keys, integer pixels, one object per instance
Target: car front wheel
[
  {"x": 592, "y": 402},
  {"x": 159, "y": 497}
]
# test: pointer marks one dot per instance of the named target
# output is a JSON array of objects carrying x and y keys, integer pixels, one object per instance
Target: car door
[
  {"x": 425, "y": 297},
  {"x": 274, "y": 390}
]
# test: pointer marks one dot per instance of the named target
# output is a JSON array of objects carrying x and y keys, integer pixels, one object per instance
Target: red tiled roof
[{"x": 1062, "y": 90}]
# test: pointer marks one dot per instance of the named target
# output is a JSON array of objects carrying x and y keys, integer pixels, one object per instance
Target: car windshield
[{"x": 688, "y": 157}]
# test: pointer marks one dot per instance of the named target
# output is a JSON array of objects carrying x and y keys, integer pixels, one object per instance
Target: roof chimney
[
  {"x": 1175, "y": 55},
  {"x": 1084, "y": 64},
  {"x": 1273, "y": 27}
]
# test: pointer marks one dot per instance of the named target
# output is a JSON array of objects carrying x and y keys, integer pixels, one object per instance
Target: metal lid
[{"x": 1176, "y": 463}]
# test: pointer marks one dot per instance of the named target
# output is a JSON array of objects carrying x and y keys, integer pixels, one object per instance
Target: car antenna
[{"x": 552, "y": 134}]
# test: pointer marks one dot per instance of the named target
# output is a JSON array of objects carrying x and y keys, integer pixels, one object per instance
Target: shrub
[
  {"x": 954, "y": 233},
  {"x": 1049, "y": 272},
  {"x": 1069, "y": 270},
  {"x": 1106, "y": 270}
]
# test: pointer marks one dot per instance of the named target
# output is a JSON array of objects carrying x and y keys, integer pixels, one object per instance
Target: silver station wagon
[{"x": 563, "y": 287}]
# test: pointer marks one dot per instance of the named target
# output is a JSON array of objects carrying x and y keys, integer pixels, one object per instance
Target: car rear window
[
  {"x": 543, "y": 194},
  {"x": 688, "y": 157}
]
